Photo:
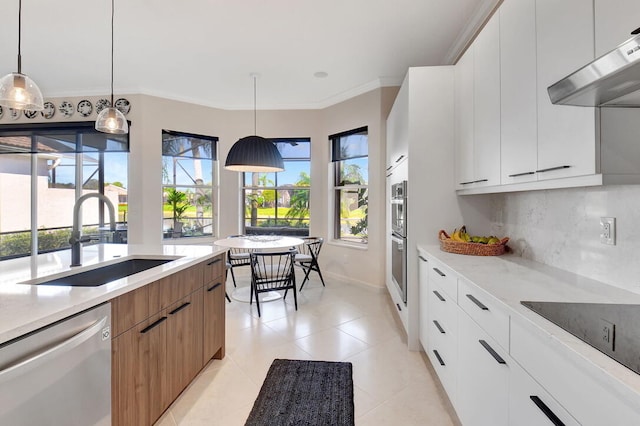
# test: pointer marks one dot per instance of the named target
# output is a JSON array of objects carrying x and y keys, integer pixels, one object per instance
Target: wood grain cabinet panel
[
  {"x": 138, "y": 373},
  {"x": 159, "y": 338},
  {"x": 184, "y": 342}
]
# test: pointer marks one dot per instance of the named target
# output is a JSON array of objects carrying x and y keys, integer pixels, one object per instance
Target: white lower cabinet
[
  {"x": 482, "y": 396},
  {"x": 531, "y": 405}
]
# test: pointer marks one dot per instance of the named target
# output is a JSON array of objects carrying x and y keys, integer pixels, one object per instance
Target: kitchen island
[
  {"x": 25, "y": 308},
  {"x": 167, "y": 322}
]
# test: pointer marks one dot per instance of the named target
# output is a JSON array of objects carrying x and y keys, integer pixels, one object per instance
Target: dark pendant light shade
[{"x": 254, "y": 154}]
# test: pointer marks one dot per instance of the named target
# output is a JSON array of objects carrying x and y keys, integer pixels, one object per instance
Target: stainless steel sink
[{"x": 104, "y": 274}]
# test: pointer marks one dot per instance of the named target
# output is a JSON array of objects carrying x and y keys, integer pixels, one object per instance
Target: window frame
[
  {"x": 337, "y": 187},
  {"x": 168, "y": 237},
  {"x": 277, "y": 187},
  {"x": 75, "y": 149}
]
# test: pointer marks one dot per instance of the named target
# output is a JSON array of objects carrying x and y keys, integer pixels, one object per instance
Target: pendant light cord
[
  {"x": 255, "y": 120},
  {"x": 112, "y": 13},
  {"x": 19, "y": 36}
]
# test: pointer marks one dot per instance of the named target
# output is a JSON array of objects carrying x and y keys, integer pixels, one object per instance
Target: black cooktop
[{"x": 613, "y": 329}]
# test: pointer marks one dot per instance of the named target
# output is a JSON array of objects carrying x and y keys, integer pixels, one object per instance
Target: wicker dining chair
[
  {"x": 271, "y": 271},
  {"x": 307, "y": 258}
]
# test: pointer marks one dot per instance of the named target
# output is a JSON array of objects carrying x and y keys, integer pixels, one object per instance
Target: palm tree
[{"x": 299, "y": 203}]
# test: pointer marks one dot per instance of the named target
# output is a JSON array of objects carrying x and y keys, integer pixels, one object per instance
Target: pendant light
[
  {"x": 111, "y": 120},
  {"x": 17, "y": 90},
  {"x": 254, "y": 153}
]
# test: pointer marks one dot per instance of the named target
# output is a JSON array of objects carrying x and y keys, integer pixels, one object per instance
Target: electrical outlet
[
  {"x": 608, "y": 230},
  {"x": 608, "y": 334}
]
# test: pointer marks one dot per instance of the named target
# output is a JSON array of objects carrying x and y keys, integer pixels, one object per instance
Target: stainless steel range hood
[{"x": 611, "y": 80}]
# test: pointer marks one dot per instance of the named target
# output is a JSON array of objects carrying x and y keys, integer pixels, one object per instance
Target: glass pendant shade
[
  {"x": 18, "y": 91},
  {"x": 254, "y": 154},
  {"x": 110, "y": 120}
]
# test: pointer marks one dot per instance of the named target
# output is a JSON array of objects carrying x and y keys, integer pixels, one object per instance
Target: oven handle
[
  {"x": 43, "y": 357},
  {"x": 397, "y": 238}
]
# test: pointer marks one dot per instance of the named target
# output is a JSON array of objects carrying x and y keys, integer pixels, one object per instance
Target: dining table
[{"x": 257, "y": 243}]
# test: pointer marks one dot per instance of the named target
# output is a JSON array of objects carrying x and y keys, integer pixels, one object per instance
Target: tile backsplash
[{"x": 561, "y": 228}]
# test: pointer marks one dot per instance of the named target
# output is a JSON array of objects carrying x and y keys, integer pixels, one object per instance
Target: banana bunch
[{"x": 462, "y": 236}]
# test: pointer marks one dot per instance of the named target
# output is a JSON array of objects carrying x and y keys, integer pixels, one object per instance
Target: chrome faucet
[{"x": 77, "y": 238}]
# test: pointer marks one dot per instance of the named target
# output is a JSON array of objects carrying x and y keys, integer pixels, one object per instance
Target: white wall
[
  {"x": 561, "y": 228},
  {"x": 149, "y": 115}
]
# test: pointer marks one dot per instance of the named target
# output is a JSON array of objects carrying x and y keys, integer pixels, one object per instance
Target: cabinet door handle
[
  {"x": 155, "y": 324},
  {"x": 422, "y": 258},
  {"x": 636, "y": 31},
  {"x": 493, "y": 353},
  {"x": 522, "y": 174},
  {"x": 389, "y": 168},
  {"x": 214, "y": 287},
  {"x": 468, "y": 183},
  {"x": 439, "y": 272},
  {"x": 398, "y": 306},
  {"x": 399, "y": 158},
  {"x": 550, "y": 169},
  {"x": 480, "y": 180},
  {"x": 439, "y": 296},
  {"x": 546, "y": 410},
  {"x": 478, "y": 303},
  {"x": 179, "y": 308},
  {"x": 389, "y": 174},
  {"x": 439, "y": 357},
  {"x": 214, "y": 262},
  {"x": 439, "y": 327}
]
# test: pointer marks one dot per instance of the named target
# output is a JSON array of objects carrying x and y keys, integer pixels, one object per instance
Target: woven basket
[{"x": 473, "y": 249}]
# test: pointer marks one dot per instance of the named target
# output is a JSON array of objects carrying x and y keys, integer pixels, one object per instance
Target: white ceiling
[{"x": 203, "y": 51}]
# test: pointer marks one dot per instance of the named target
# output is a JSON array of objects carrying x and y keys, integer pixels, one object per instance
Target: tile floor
[{"x": 342, "y": 322}]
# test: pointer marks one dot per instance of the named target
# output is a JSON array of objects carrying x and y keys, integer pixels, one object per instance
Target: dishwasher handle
[{"x": 44, "y": 356}]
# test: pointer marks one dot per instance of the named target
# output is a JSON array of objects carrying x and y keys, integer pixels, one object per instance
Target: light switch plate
[{"x": 608, "y": 230}]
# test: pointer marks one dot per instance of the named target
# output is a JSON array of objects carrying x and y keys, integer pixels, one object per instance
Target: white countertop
[
  {"x": 512, "y": 279},
  {"x": 25, "y": 308}
]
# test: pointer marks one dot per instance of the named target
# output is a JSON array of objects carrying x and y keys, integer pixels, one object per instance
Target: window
[
  {"x": 349, "y": 154},
  {"x": 278, "y": 203},
  {"x": 188, "y": 185},
  {"x": 44, "y": 168}
]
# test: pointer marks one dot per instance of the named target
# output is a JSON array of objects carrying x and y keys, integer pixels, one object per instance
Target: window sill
[{"x": 346, "y": 244}]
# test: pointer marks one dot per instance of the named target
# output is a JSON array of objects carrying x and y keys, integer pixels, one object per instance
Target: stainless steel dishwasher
[{"x": 60, "y": 374}]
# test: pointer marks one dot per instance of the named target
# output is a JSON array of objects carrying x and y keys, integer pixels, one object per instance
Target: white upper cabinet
[
  {"x": 615, "y": 19},
  {"x": 519, "y": 114},
  {"x": 477, "y": 110},
  {"x": 486, "y": 104},
  {"x": 565, "y": 43},
  {"x": 398, "y": 129},
  {"x": 463, "y": 106}
]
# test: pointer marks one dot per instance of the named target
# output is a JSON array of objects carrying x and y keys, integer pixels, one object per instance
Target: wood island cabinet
[{"x": 163, "y": 334}]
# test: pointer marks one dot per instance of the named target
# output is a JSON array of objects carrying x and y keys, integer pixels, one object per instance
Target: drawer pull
[
  {"x": 493, "y": 353},
  {"x": 155, "y": 324},
  {"x": 389, "y": 168},
  {"x": 439, "y": 272},
  {"x": 439, "y": 357},
  {"x": 550, "y": 169},
  {"x": 546, "y": 410},
  {"x": 478, "y": 303},
  {"x": 439, "y": 296},
  {"x": 179, "y": 308},
  {"x": 399, "y": 158},
  {"x": 422, "y": 258},
  {"x": 522, "y": 174},
  {"x": 214, "y": 287},
  {"x": 481, "y": 180},
  {"x": 213, "y": 262},
  {"x": 468, "y": 183},
  {"x": 439, "y": 327},
  {"x": 398, "y": 305}
]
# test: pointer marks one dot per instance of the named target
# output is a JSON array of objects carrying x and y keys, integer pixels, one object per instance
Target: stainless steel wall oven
[{"x": 399, "y": 237}]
